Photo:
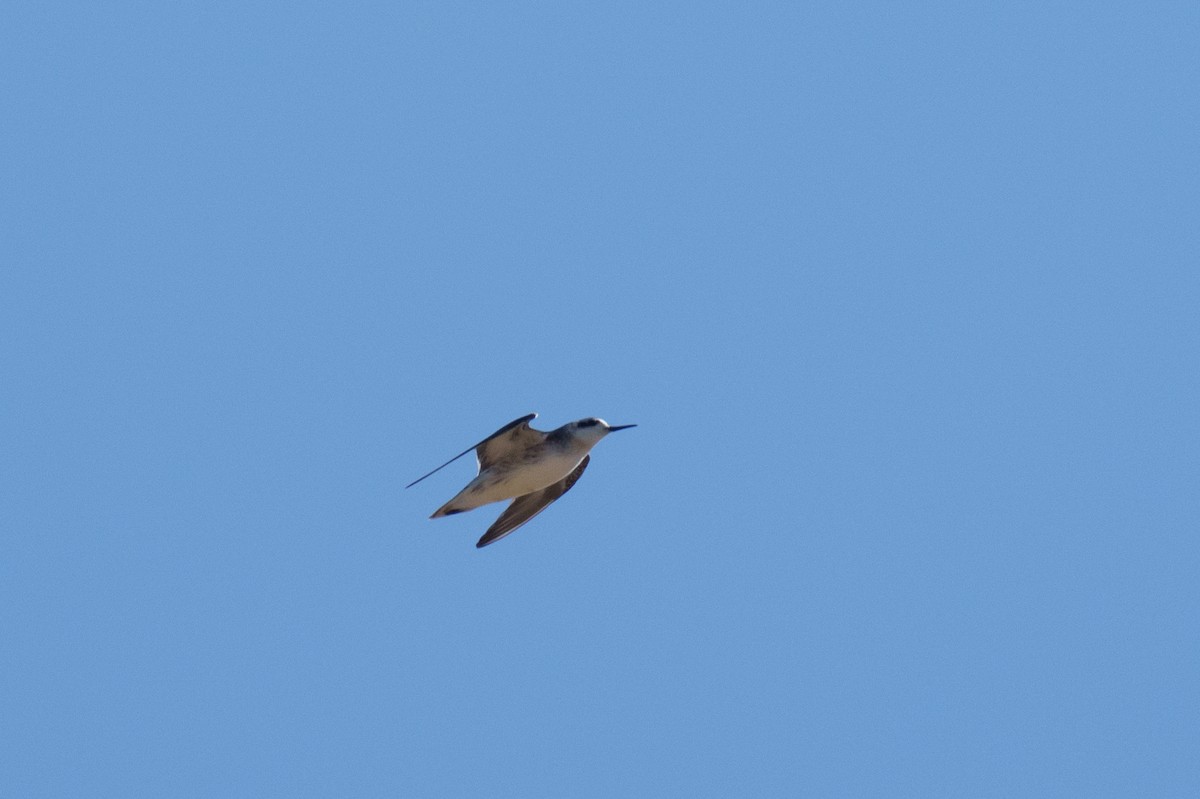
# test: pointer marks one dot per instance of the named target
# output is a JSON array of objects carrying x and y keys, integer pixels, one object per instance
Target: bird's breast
[{"x": 530, "y": 472}]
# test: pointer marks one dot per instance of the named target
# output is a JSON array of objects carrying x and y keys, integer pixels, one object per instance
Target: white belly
[
  {"x": 527, "y": 478},
  {"x": 506, "y": 481}
]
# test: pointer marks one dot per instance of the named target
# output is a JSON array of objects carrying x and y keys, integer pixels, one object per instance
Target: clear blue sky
[{"x": 903, "y": 297}]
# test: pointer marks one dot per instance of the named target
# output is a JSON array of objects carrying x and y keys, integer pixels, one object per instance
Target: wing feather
[
  {"x": 525, "y": 508},
  {"x": 513, "y": 437},
  {"x": 516, "y": 436}
]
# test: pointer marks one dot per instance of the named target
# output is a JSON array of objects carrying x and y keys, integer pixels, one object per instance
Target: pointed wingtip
[
  {"x": 523, "y": 420},
  {"x": 490, "y": 537}
]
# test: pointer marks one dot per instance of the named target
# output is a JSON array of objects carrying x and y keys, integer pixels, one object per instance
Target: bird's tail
[
  {"x": 447, "y": 510},
  {"x": 462, "y": 501}
]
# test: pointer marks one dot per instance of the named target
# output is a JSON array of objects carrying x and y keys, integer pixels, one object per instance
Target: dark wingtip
[{"x": 490, "y": 537}]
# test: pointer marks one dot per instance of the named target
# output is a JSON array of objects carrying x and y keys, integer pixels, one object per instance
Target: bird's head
[{"x": 595, "y": 429}]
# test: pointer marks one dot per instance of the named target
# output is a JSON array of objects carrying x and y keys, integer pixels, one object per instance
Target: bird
[{"x": 531, "y": 467}]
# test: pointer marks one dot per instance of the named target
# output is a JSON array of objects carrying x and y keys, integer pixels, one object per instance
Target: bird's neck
[{"x": 564, "y": 441}]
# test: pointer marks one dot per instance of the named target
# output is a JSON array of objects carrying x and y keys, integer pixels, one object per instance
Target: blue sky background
[{"x": 902, "y": 296}]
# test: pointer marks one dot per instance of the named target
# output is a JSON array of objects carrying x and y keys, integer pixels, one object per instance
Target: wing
[
  {"x": 525, "y": 508},
  {"x": 513, "y": 437},
  {"x": 516, "y": 436}
]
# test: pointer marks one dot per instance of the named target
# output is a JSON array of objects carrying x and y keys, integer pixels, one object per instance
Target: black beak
[{"x": 615, "y": 428}]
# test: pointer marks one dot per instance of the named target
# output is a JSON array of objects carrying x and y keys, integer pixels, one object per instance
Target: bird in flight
[{"x": 531, "y": 467}]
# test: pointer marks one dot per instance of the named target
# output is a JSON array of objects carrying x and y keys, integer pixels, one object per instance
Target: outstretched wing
[
  {"x": 525, "y": 508},
  {"x": 516, "y": 436},
  {"x": 513, "y": 437}
]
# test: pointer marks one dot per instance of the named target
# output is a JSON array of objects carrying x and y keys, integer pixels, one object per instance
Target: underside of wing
[
  {"x": 513, "y": 437},
  {"x": 525, "y": 508}
]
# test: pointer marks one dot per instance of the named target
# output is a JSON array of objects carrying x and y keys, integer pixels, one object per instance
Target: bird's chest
[{"x": 533, "y": 471}]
